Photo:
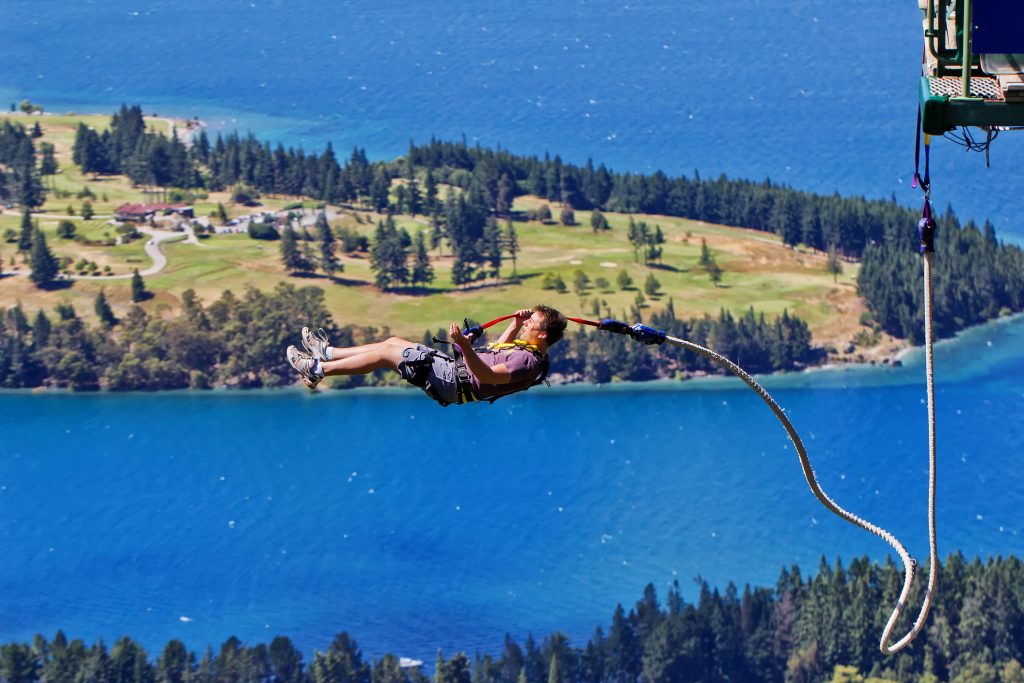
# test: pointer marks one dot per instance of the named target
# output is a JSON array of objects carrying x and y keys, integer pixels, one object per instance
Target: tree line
[
  {"x": 824, "y": 627},
  {"x": 751, "y": 341},
  {"x": 974, "y": 279},
  {"x": 236, "y": 341}
]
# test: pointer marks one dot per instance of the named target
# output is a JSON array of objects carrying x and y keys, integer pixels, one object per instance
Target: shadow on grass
[
  {"x": 333, "y": 279},
  {"x": 666, "y": 266},
  {"x": 471, "y": 287},
  {"x": 419, "y": 290},
  {"x": 56, "y": 285}
]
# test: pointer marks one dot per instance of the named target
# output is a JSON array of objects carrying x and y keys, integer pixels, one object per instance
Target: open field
[{"x": 759, "y": 271}]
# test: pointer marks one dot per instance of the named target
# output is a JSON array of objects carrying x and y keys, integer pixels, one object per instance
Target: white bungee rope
[
  {"x": 909, "y": 564},
  {"x": 648, "y": 335}
]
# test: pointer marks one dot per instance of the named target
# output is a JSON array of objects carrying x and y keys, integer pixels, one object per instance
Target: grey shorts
[{"x": 439, "y": 371}]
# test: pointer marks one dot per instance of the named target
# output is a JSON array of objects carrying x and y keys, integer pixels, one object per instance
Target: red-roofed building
[{"x": 143, "y": 212}]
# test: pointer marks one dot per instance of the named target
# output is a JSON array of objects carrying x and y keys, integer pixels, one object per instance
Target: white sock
[{"x": 329, "y": 352}]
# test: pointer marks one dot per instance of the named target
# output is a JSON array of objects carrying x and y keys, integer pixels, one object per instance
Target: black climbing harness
[{"x": 463, "y": 377}]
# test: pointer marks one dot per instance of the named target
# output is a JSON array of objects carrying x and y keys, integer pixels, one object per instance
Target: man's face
[{"x": 531, "y": 331}]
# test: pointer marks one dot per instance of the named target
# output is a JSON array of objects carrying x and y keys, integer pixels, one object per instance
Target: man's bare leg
[
  {"x": 341, "y": 352},
  {"x": 383, "y": 356},
  {"x": 363, "y": 359}
]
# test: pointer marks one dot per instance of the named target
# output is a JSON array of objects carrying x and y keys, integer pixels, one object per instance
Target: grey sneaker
[
  {"x": 316, "y": 343},
  {"x": 303, "y": 364}
]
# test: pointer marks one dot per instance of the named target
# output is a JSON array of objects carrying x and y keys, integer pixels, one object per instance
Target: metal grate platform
[{"x": 951, "y": 86}]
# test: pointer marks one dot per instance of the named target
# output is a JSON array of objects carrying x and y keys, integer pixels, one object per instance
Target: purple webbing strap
[
  {"x": 927, "y": 183},
  {"x": 917, "y": 148}
]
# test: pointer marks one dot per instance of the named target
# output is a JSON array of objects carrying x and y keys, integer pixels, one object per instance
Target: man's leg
[
  {"x": 362, "y": 360},
  {"x": 340, "y": 352}
]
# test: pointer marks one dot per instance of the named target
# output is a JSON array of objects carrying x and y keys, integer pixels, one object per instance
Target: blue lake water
[
  {"x": 817, "y": 94},
  {"x": 199, "y": 516}
]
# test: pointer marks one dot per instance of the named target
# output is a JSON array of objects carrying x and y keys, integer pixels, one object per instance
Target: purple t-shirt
[{"x": 523, "y": 364}]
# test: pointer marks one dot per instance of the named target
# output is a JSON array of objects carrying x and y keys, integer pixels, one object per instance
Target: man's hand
[
  {"x": 459, "y": 339},
  {"x": 523, "y": 315}
]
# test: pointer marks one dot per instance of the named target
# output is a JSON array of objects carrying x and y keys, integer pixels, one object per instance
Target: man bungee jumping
[{"x": 516, "y": 362}]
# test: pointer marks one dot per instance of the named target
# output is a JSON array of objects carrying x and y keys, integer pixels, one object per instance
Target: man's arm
[
  {"x": 515, "y": 325},
  {"x": 499, "y": 374}
]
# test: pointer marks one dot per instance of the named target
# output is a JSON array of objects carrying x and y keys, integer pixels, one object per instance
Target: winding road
[{"x": 153, "y": 250}]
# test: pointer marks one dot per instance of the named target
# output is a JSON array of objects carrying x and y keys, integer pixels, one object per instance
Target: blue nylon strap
[
  {"x": 639, "y": 332},
  {"x": 647, "y": 335}
]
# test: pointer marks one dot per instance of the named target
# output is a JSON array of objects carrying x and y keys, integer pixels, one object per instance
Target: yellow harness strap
[{"x": 514, "y": 344}]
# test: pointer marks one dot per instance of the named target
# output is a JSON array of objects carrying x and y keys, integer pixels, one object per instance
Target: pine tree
[
  {"x": 48, "y": 164},
  {"x": 44, "y": 265},
  {"x": 634, "y": 238},
  {"x": 41, "y": 327},
  {"x": 430, "y": 203},
  {"x": 512, "y": 244},
  {"x": 27, "y": 233},
  {"x": 328, "y": 261},
  {"x": 388, "y": 256},
  {"x": 705, "y": 254},
  {"x": 103, "y": 310},
  {"x": 422, "y": 271},
  {"x": 503, "y": 202},
  {"x": 567, "y": 216},
  {"x": 580, "y": 283},
  {"x": 834, "y": 266},
  {"x": 291, "y": 256},
  {"x": 66, "y": 229},
  {"x": 651, "y": 285},
  {"x": 29, "y": 187},
  {"x": 308, "y": 259},
  {"x": 380, "y": 190},
  {"x": 413, "y": 200},
  {"x": 714, "y": 272},
  {"x": 436, "y": 234},
  {"x": 439, "y": 667},
  {"x": 138, "y": 287},
  {"x": 492, "y": 244}
]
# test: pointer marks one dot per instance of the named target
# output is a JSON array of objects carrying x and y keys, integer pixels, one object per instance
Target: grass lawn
[{"x": 759, "y": 272}]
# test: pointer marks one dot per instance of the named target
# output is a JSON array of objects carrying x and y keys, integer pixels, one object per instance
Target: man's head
[{"x": 545, "y": 325}]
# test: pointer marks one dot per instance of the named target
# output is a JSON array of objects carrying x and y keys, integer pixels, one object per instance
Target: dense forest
[
  {"x": 976, "y": 277},
  {"x": 824, "y": 627},
  {"x": 238, "y": 341}
]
